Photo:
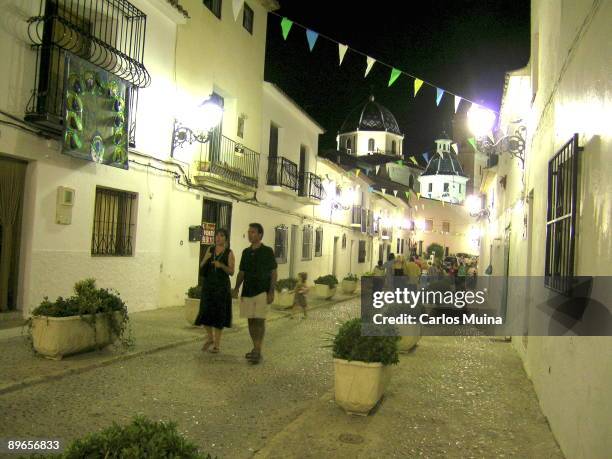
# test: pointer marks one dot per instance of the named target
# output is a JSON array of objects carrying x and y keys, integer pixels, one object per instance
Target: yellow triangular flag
[
  {"x": 442, "y": 203},
  {"x": 414, "y": 161},
  {"x": 417, "y": 85},
  {"x": 357, "y": 171},
  {"x": 418, "y": 195}
]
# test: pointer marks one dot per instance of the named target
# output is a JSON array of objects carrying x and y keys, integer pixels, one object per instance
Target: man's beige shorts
[{"x": 254, "y": 307}]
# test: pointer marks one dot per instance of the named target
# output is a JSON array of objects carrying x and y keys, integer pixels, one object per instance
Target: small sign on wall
[{"x": 208, "y": 233}]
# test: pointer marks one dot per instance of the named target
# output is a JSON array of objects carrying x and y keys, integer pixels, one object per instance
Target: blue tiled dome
[{"x": 370, "y": 117}]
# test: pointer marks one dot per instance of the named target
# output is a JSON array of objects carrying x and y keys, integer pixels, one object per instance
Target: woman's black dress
[{"x": 216, "y": 300}]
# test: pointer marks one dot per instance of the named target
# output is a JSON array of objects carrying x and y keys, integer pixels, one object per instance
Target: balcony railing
[
  {"x": 356, "y": 215},
  {"x": 230, "y": 161},
  {"x": 282, "y": 172},
  {"x": 310, "y": 186}
]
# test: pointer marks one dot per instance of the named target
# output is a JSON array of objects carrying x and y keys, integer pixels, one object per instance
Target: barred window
[
  {"x": 280, "y": 244},
  {"x": 114, "y": 226},
  {"x": 561, "y": 218},
  {"x": 307, "y": 243},
  {"x": 362, "y": 252},
  {"x": 344, "y": 241},
  {"x": 214, "y": 6},
  {"x": 398, "y": 246},
  {"x": 247, "y": 18},
  {"x": 319, "y": 242},
  {"x": 428, "y": 225},
  {"x": 446, "y": 227}
]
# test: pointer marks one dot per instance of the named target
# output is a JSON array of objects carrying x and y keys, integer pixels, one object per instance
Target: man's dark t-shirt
[{"x": 257, "y": 266}]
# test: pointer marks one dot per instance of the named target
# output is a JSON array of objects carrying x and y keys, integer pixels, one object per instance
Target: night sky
[{"x": 460, "y": 45}]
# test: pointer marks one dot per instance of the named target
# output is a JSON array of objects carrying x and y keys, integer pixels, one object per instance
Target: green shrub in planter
[
  {"x": 141, "y": 439},
  {"x": 329, "y": 280},
  {"x": 195, "y": 292},
  {"x": 89, "y": 301},
  {"x": 351, "y": 277},
  {"x": 288, "y": 284},
  {"x": 349, "y": 344}
]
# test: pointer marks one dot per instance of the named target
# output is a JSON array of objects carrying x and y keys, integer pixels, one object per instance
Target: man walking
[{"x": 258, "y": 271}]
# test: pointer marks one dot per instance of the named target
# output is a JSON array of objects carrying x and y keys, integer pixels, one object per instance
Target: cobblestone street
[{"x": 450, "y": 397}]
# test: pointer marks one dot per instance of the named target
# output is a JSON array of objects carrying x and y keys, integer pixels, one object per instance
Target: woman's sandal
[
  {"x": 207, "y": 344},
  {"x": 214, "y": 350},
  {"x": 249, "y": 354},
  {"x": 255, "y": 358}
]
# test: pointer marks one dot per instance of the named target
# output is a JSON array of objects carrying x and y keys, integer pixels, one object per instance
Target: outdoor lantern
[
  {"x": 204, "y": 118},
  {"x": 480, "y": 120},
  {"x": 473, "y": 204}
]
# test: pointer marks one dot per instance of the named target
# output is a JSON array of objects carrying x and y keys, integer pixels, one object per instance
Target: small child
[{"x": 301, "y": 289}]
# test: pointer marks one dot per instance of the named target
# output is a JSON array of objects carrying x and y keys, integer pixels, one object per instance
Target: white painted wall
[{"x": 382, "y": 142}]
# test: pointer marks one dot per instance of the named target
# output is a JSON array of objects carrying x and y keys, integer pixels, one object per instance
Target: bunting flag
[
  {"x": 312, "y": 38},
  {"x": 455, "y": 148},
  {"x": 418, "y": 195},
  {"x": 286, "y": 26},
  {"x": 439, "y": 94},
  {"x": 443, "y": 203},
  {"x": 369, "y": 63},
  {"x": 370, "y": 189},
  {"x": 384, "y": 190},
  {"x": 400, "y": 162},
  {"x": 457, "y": 101},
  {"x": 341, "y": 52},
  {"x": 357, "y": 172},
  {"x": 395, "y": 73},
  {"x": 426, "y": 157},
  {"x": 417, "y": 85},
  {"x": 472, "y": 142},
  {"x": 377, "y": 169},
  {"x": 414, "y": 161},
  {"x": 236, "y": 7},
  {"x": 395, "y": 193},
  {"x": 407, "y": 195}
]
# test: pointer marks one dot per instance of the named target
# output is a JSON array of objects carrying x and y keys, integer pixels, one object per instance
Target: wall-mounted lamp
[
  {"x": 208, "y": 115},
  {"x": 474, "y": 206},
  {"x": 482, "y": 121}
]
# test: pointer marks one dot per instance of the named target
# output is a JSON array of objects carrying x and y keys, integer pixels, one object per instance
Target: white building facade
[{"x": 443, "y": 178}]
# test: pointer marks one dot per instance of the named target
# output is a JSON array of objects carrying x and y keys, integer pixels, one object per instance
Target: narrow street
[{"x": 450, "y": 397}]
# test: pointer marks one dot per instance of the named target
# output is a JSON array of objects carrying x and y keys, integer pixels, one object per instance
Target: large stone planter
[
  {"x": 348, "y": 286},
  {"x": 358, "y": 385},
  {"x": 56, "y": 337},
  {"x": 285, "y": 299},
  {"x": 192, "y": 308},
  {"x": 324, "y": 291},
  {"x": 406, "y": 343}
]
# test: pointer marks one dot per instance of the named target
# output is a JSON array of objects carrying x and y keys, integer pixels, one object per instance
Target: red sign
[{"x": 208, "y": 233}]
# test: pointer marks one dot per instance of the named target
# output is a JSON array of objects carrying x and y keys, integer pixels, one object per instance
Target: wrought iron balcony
[
  {"x": 282, "y": 174},
  {"x": 228, "y": 163},
  {"x": 356, "y": 216},
  {"x": 310, "y": 188}
]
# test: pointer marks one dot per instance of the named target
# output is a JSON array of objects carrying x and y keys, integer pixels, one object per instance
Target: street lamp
[
  {"x": 481, "y": 122},
  {"x": 475, "y": 208},
  {"x": 207, "y": 115}
]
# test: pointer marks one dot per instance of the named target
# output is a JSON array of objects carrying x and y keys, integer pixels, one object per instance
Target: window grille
[
  {"x": 107, "y": 33},
  {"x": 319, "y": 242},
  {"x": 561, "y": 217},
  {"x": 280, "y": 244},
  {"x": 247, "y": 18},
  {"x": 114, "y": 226},
  {"x": 307, "y": 243},
  {"x": 362, "y": 252}
]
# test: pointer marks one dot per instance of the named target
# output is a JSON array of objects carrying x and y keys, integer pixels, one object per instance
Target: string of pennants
[{"x": 395, "y": 73}]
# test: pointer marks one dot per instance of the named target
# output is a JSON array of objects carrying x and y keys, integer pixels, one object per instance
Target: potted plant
[
  {"x": 140, "y": 438},
  {"x": 325, "y": 286},
  {"x": 285, "y": 292},
  {"x": 192, "y": 303},
  {"x": 362, "y": 366},
  {"x": 91, "y": 319},
  {"x": 349, "y": 283}
]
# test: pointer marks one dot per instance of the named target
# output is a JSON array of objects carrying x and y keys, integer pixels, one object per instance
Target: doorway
[
  {"x": 12, "y": 185},
  {"x": 293, "y": 251},
  {"x": 335, "y": 257},
  {"x": 506, "y": 266},
  {"x": 219, "y": 213}
]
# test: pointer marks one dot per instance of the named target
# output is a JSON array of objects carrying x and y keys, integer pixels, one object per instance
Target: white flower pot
[
  {"x": 56, "y": 337},
  {"x": 349, "y": 286},
  {"x": 324, "y": 291},
  {"x": 192, "y": 308},
  {"x": 285, "y": 299},
  {"x": 406, "y": 343},
  {"x": 359, "y": 385}
]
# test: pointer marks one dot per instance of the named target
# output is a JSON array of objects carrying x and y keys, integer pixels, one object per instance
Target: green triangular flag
[
  {"x": 407, "y": 194},
  {"x": 400, "y": 162},
  {"x": 472, "y": 141},
  {"x": 286, "y": 26},
  {"x": 395, "y": 73}
]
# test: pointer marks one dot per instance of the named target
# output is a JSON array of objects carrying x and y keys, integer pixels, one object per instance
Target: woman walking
[{"x": 216, "y": 301}]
